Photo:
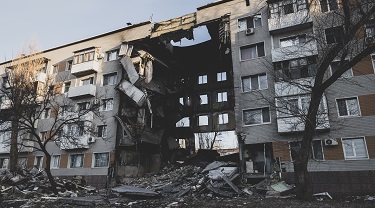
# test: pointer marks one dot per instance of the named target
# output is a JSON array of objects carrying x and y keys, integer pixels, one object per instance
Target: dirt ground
[{"x": 207, "y": 201}]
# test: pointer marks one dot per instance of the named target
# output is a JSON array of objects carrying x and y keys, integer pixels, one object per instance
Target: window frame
[
  {"x": 336, "y": 31},
  {"x": 201, "y": 80},
  {"x": 182, "y": 122},
  {"x": 223, "y": 99},
  {"x": 2, "y": 163},
  {"x": 342, "y": 76},
  {"x": 86, "y": 103},
  {"x": 225, "y": 118},
  {"x": 347, "y": 98},
  {"x": 109, "y": 75},
  {"x": 52, "y": 162},
  {"x": 108, "y": 55},
  {"x": 250, "y": 85},
  {"x": 354, "y": 157},
  {"x": 312, "y": 155},
  {"x": 93, "y": 163},
  {"x": 246, "y": 20},
  {"x": 203, "y": 124},
  {"x": 82, "y": 56},
  {"x": 76, "y": 154},
  {"x": 103, "y": 130},
  {"x": 105, "y": 106},
  {"x": 250, "y": 46},
  {"x": 47, "y": 113},
  {"x": 64, "y": 89},
  {"x": 220, "y": 74},
  {"x": 262, "y": 123},
  {"x": 328, "y": 6},
  {"x": 200, "y": 99},
  {"x": 91, "y": 78},
  {"x": 293, "y": 37}
]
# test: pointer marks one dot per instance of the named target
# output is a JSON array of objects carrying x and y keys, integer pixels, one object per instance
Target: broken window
[
  {"x": 66, "y": 87},
  {"x": 202, "y": 79},
  {"x": 184, "y": 122},
  {"x": 222, "y": 97},
  {"x": 288, "y": 7},
  {"x": 293, "y": 41},
  {"x": 101, "y": 159},
  {"x": 355, "y": 148},
  {"x": 55, "y": 162},
  {"x": 334, "y": 34},
  {"x": 348, "y": 106},
  {"x": 221, "y": 76},
  {"x": 256, "y": 116},
  {"x": 76, "y": 161},
  {"x": 252, "y": 51},
  {"x": 112, "y": 55},
  {"x": 254, "y": 82},
  {"x": 203, "y": 99},
  {"x": 334, "y": 66},
  {"x": 102, "y": 131},
  {"x": 110, "y": 79},
  {"x": 107, "y": 104},
  {"x": 4, "y": 163},
  {"x": 328, "y": 5},
  {"x": 250, "y": 22},
  {"x": 223, "y": 118},
  {"x": 203, "y": 120}
]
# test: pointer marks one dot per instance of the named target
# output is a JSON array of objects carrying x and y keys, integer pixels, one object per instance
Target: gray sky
[{"x": 54, "y": 23}]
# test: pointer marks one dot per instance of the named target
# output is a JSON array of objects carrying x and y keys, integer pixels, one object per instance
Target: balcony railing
[
  {"x": 81, "y": 142},
  {"x": 296, "y": 123},
  {"x": 297, "y": 51},
  {"x": 290, "y": 20},
  {"x": 82, "y": 91},
  {"x": 85, "y": 68}
]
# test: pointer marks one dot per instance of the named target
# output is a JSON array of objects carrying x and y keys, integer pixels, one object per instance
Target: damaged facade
[{"x": 156, "y": 95}]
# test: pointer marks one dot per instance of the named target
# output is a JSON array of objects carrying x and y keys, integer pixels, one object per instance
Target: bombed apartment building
[
  {"x": 172, "y": 92},
  {"x": 154, "y": 95}
]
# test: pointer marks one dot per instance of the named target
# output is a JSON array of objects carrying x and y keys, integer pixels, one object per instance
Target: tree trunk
[
  {"x": 302, "y": 177},
  {"x": 13, "y": 159},
  {"x": 48, "y": 172}
]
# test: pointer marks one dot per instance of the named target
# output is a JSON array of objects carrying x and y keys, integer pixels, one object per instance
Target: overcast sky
[{"x": 54, "y": 23}]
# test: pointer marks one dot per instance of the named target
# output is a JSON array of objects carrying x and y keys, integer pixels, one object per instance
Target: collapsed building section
[{"x": 168, "y": 93}]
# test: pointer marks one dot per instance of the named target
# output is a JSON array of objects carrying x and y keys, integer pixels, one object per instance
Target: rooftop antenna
[{"x": 151, "y": 17}]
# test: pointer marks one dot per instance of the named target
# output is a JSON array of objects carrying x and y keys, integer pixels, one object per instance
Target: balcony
[
  {"x": 290, "y": 21},
  {"x": 82, "y": 91},
  {"x": 40, "y": 77},
  {"x": 296, "y": 87},
  {"x": 296, "y": 124},
  {"x": 296, "y": 51},
  {"x": 85, "y": 68},
  {"x": 81, "y": 142}
]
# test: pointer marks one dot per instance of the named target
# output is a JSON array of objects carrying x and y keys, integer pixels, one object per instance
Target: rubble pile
[
  {"x": 217, "y": 178},
  {"x": 32, "y": 186}
]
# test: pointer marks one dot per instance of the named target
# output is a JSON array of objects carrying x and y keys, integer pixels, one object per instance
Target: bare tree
[
  {"x": 32, "y": 95},
  {"x": 340, "y": 36}
]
